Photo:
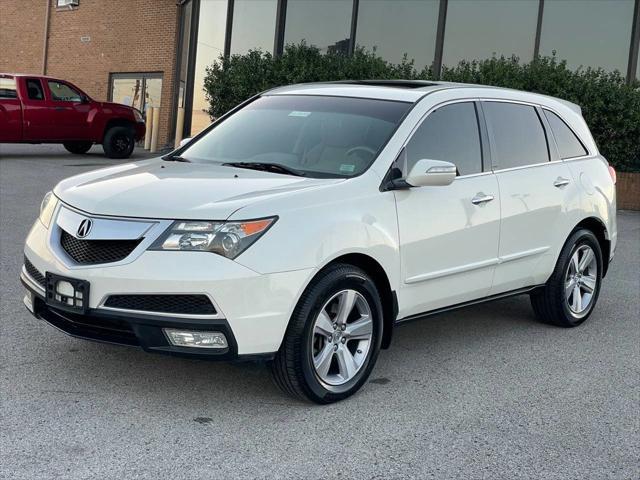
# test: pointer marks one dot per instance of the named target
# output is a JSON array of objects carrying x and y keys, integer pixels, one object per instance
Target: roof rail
[{"x": 389, "y": 83}]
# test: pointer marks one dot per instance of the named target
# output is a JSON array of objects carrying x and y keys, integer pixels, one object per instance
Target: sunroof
[{"x": 390, "y": 83}]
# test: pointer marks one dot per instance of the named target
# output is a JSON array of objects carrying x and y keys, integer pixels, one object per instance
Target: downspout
[{"x": 45, "y": 46}]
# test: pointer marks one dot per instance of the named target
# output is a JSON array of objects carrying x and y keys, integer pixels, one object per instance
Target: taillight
[{"x": 612, "y": 172}]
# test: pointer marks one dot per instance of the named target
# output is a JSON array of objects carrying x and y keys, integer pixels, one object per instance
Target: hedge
[{"x": 609, "y": 104}]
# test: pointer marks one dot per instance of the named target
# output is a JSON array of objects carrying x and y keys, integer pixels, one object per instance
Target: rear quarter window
[
  {"x": 569, "y": 145},
  {"x": 8, "y": 88}
]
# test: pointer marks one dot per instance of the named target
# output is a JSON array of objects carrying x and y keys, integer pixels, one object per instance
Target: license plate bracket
[{"x": 70, "y": 294}]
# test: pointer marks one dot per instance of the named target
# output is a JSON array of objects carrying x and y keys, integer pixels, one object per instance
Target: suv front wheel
[{"x": 333, "y": 338}]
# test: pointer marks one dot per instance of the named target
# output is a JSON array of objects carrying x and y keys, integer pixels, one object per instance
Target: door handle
[
  {"x": 481, "y": 198},
  {"x": 59, "y": 109},
  {"x": 561, "y": 182}
]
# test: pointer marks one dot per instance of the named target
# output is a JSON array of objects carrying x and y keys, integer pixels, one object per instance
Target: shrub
[{"x": 610, "y": 106}]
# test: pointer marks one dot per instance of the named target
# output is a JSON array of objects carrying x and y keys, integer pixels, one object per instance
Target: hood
[{"x": 176, "y": 190}]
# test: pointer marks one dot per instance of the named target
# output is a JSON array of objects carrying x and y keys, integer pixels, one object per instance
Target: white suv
[{"x": 305, "y": 224}]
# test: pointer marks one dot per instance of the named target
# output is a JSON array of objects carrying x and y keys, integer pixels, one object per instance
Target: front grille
[
  {"x": 178, "y": 304},
  {"x": 89, "y": 252},
  {"x": 34, "y": 273}
]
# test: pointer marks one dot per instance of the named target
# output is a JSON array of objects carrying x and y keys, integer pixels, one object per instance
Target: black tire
[
  {"x": 78, "y": 148},
  {"x": 550, "y": 303},
  {"x": 119, "y": 142},
  {"x": 293, "y": 369}
]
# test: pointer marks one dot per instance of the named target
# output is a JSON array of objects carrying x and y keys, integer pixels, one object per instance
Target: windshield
[{"x": 311, "y": 135}]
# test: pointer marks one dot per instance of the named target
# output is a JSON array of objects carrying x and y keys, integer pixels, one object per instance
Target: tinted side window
[
  {"x": 518, "y": 135},
  {"x": 449, "y": 133},
  {"x": 34, "y": 89},
  {"x": 568, "y": 144},
  {"x": 8, "y": 88}
]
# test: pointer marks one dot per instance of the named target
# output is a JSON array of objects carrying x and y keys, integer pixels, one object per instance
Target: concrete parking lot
[{"x": 484, "y": 392}]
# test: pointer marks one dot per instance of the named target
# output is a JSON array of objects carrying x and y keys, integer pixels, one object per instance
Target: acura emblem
[{"x": 84, "y": 228}]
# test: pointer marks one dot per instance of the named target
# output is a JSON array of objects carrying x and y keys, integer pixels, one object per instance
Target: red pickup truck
[{"x": 38, "y": 109}]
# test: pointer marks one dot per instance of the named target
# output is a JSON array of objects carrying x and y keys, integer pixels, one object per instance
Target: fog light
[{"x": 195, "y": 338}]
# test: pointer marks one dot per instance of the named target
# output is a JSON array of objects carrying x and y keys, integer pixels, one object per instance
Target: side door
[
  {"x": 10, "y": 111},
  {"x": 37, "y": 122},
  {"x": 70, "y": 110},
  {"x": 536, "y": 192},
  {"x": 448, "y": 235}
]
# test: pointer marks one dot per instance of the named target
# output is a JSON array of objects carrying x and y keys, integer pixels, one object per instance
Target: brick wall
[
  {"x": 89, "y": 42},
  {"x": 22, "y": 35},
  {"x": 628, "y": 191}
]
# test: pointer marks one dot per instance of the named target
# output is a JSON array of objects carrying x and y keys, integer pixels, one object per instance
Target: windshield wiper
[
  {"x": 175, "y": 158},
  {"x": 266, "y": 167}
]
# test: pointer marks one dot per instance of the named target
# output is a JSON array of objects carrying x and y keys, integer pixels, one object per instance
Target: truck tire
[
  {"x": 118, "y": 142},
  {"x": 333, "y": 338},
  {"x": 78, "y": 148}
]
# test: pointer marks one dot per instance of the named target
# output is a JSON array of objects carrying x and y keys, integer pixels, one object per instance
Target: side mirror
[
  {"x": 431, "y": 173},
  {"x": 184, "y": 141}
]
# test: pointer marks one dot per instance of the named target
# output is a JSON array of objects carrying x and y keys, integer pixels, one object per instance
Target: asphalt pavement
[{"x": 484, "y": 392}]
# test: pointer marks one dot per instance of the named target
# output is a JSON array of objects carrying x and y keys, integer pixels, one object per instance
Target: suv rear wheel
[
  {"x": 570, "y": 294},
  {"x": 333, "y": 339},
  {"x": 78, "y": 148},
  {"x": 119, "y": 142}
]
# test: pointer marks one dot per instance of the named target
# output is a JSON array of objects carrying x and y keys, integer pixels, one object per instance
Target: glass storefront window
[
  {"x": 254, "y": 25},
  {"x": 588, "y": 33},
  {"x": 209, "y": 47},
  {"x": 138, "y": 90},
  {"x": 479, "y": 29},
  {"x": 325, "y": 24},
  {"x": 397, "y": 27}
]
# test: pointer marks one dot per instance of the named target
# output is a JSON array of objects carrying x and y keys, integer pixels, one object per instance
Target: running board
[{"x": 457, "y": 306}]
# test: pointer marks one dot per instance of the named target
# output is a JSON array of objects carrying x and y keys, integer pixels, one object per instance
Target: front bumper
[
  {"x": 141, "y": 130},
  {"x": 252, "y": 309},
  {"x": 136, "y": 330}
]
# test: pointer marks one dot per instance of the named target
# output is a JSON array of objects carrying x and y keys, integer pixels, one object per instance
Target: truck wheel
[
  {"x": 333, "y": 338},
  {"x": 118, "y": 142},
  {"x": 572, "y": 291},
  {"x": 78, "y": 148}
]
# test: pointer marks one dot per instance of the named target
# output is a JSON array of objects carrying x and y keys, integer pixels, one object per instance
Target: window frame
[
  {"x": 485, "y": 149},
  {"x": 552, "y": 152}
]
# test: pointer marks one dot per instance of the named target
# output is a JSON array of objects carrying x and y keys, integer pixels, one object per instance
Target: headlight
[
  {"x": 47, "y": 207},
  {"x": 138, "y": 116},
  {"x": 228, "y": 239}
]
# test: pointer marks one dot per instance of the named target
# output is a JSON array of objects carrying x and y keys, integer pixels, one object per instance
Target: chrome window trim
[{"x": 217, "y": 315}]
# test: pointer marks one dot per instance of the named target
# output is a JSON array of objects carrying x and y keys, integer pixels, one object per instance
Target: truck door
[
  {"x": 70, "y": 110},
  {"x": 10, "y": 111},
  {"x": 37, "y": 124}
]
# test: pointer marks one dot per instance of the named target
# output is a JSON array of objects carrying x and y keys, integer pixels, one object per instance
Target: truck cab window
[
  {"x": 62, "y": 92},
  {"x": 34, "y": 89},
  {"x": 8, "y": 88}
]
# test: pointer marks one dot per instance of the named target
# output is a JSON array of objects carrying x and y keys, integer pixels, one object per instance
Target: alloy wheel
[
  {"x": 581, "y": 280},
  {"x": 342, "y": 335}
]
